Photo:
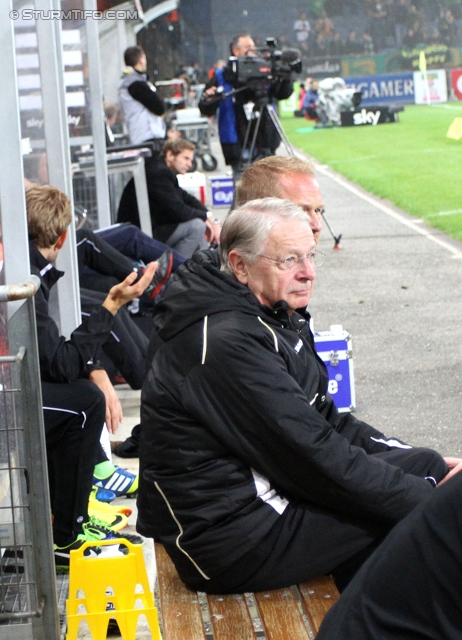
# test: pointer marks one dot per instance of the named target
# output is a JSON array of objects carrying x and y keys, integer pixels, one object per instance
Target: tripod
[{"x": 261, "y": 106}]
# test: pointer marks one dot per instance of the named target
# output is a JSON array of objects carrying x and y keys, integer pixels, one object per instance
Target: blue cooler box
[{"x": 334, "y": 349}]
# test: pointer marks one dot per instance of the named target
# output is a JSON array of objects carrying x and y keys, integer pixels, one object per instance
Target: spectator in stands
[
  {"x": 447, "y": 27},
  {"x": 77, "y": 394},
  {"x": 248, "y": 474},
  {"x": 414, "y": 36},
  {"x": 368, "y": 44},
  {"x": 352, "y": 45},
  {"x": 305, "y": 52},
  {"x": 335, "y": 7},
  {"x": 178, "y": 218},
  {"x": 324, "y": 25},
  {"x": 141, "y": 107},
  {"x": 400, "y": 16},
  {"x": 336, "y": 45},
  {"x": 377, "y": 23},
  {"x": 410, "y": 587},
  {"x": 302, "y": 28},
  {"x": 321, "y": 45},
  {"x": 414, "y": 15}
]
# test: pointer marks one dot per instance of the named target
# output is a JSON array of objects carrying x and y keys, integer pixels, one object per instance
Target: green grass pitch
[{"x": 412, "y": 162}]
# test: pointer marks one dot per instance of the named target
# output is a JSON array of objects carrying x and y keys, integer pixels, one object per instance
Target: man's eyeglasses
[{"x": 294, "y": 263}]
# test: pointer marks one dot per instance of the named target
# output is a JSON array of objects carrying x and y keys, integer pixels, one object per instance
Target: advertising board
[
  {"x": 390, "y": 88},
  {"x": 222, "y": 188},
  {"x": 430, "y": 87}
]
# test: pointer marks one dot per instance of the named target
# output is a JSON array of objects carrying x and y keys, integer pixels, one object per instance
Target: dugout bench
[{"x": 294, "y": 613}]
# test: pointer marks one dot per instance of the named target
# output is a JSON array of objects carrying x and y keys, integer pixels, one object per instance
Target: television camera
[
  {"x": 334, "y": 98},
  {"x": 267, "y": 65}
]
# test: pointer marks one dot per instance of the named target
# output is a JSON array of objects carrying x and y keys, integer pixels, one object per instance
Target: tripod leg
[
  {"x": 246, "y": 162},
  {"x": 254, "y": 136},
  {"x": 282, "y": 134},
  {"x": 336, "y": 238}
]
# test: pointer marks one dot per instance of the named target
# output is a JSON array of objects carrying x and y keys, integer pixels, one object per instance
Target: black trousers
[
  {"x": 95, "y": 253},
  {"x": 309, "y": 541},
  {"x": 126, "y": 347},
  {"x": 74, "y": 415},
  {"x": 410, "y": 588}
]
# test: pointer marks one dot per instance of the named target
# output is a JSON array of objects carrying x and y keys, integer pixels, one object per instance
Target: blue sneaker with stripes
[
  {"x": 120, "y": 481},
  {"x": 102, "y": 495}
]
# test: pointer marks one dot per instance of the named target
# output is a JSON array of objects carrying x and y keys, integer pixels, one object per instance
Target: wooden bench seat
[{"x": 294, "y": 613}]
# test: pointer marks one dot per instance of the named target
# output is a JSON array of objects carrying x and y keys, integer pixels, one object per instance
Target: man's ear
[
  {"x": 169, "y": 157},
  {"x": 238, "y": 266},
  {"x": 61, "y": 240}
]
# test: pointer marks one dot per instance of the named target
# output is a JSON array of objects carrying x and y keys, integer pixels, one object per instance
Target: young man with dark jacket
[
  {"x": 78, "y": 397},
  {"x": 178, "y": 219}
]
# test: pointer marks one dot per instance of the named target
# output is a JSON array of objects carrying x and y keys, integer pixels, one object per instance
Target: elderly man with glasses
[{"x": 248, "y": 474}]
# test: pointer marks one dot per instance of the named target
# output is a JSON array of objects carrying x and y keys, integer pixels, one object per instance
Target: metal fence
[
  {"x": 85, "y": 200},
  {"x": 28, "y": 604}
]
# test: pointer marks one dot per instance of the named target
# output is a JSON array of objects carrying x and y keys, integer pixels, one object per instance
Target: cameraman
[{"x": 232, "y": 118}]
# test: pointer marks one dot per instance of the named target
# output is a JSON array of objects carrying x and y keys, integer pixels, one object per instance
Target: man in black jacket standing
[
  {"x": 178, "y": 219},
  {"x": 248, "y": 474}
]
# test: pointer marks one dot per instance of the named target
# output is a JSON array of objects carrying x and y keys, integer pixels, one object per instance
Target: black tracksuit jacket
[
  {"x": 169, "y": 204},
  {"x": 235, "y": 390},
  {"x": 64, "y": 360}
]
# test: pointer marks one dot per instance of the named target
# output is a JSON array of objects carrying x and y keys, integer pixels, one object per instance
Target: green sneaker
[
  {"x": 63, "y": 554},
  {"x": 113, "y": 521},
  {"x": 95, "y": 530}
]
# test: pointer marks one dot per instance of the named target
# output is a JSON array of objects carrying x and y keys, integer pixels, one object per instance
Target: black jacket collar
[{"x": 48, "y": 273}]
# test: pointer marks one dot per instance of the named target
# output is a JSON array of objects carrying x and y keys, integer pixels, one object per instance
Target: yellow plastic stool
[{"x": 109, "y": 580}]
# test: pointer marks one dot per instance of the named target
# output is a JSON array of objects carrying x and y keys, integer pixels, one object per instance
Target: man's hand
[
  {"x": 114, "y": 415},
  {"x": 126, "y": 290},
  {"x": 211, "y": 91},
  {"x": 455, "y": 465},
  {"x": 212, "y": 230}
]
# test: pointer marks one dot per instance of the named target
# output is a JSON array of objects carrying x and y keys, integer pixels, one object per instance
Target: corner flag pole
[{"x": 423, "y": 71}]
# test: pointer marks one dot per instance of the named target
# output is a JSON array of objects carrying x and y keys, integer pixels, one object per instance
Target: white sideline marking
[
  {"x": 445, "y": 213},
  {"x": 326, "y": 170}
]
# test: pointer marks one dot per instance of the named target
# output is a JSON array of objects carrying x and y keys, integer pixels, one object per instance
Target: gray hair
[{"x": 246, "y": 229}]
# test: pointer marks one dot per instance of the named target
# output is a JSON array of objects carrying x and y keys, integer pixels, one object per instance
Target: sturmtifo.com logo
[{"x": 73, "y": 14}]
